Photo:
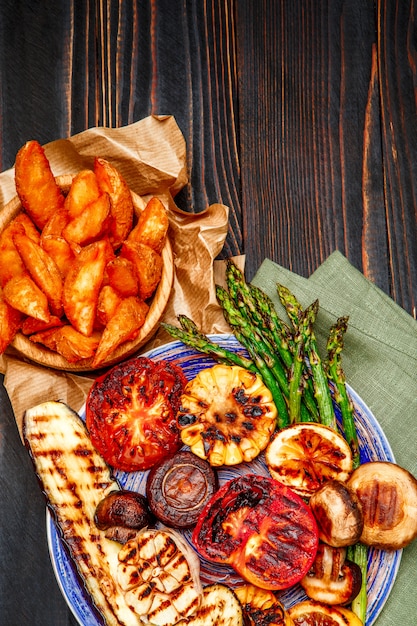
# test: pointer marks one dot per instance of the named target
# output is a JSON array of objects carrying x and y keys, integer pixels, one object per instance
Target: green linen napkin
[{"x": 380, "y": 363}]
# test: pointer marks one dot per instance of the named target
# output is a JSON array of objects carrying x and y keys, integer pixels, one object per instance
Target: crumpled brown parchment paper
[{"x": 151, "y": 155}]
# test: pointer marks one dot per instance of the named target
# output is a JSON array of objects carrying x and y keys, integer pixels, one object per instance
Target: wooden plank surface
[{"x": 299, "y": 115}]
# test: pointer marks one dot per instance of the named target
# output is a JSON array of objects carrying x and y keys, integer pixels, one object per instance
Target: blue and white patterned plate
[{"x": 382, "y": 566}]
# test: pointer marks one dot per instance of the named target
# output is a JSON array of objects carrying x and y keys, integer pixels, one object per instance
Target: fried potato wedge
[
  {"x": 148, "y": 266},
  {"x": 10, "y": 323},
  {"x": 11, "y": 261},
  {"x": 23, "y": 294},
  {"x": 60, "y": 251},
  {"x": 83, "y": 191},
  {"x": 42, "y": 269},
  {"x": 108, "y": 301},
  {"x": 74, "y": 346},
  {"x": 35, "y": 184},
  {"x": 56, "y": 223},
  {"x": 31, "y": 326},
  {"x": 121, "y": 275},
  {"x": 82, "y": 285},
  {"x": 152, "y": 226},
  {"x": 123, "y": 326},
  {"x": 68, "y": 342},
  {"x": 112, "y": 182},
  {"x": 91, "y": 224}
]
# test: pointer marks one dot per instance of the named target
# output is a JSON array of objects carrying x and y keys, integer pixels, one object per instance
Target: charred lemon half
[
  {"x": 311, "y": 613},
  {"x": 305, "y": 456},
  {"x": 227, "y": 415}
]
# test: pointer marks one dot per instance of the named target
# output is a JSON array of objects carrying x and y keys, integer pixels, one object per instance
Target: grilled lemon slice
[
  {"x": 306, "y": 455},
  {"x": 311, "y": 613},
  {"x": 227, "y": 415}
]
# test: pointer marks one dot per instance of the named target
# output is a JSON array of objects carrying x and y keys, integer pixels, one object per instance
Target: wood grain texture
[
  {"x": 328, "y": 109},
  {"x": 301, "y": 116}
]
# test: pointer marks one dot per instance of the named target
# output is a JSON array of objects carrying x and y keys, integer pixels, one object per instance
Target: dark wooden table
[{"x": 301, "y": 116}]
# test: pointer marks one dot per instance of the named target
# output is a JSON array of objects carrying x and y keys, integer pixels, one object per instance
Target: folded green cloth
[{"x": 380, "y": 362}]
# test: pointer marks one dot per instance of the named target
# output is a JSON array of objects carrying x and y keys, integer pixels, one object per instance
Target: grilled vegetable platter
[{"x": 224, "y": 479}]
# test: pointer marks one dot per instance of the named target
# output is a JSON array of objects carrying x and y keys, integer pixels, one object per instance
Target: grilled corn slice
[{"x": 227, "y": 415}]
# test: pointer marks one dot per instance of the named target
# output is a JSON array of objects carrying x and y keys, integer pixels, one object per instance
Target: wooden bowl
[{"x": 43, "y": 356}]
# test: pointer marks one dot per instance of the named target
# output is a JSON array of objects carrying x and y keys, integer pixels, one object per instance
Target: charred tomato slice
[
  {"x": 260, "y": 527},
  {"x": 131, "y": 413}
]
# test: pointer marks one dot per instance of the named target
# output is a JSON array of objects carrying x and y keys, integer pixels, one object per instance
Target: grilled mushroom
[
  {"x": 178, "y": 488},
  {"x": 122, "y": 513},
  {"x": 388, "y": 497},
  {"x": 332, "y": 578},
  {"x": 338, "y": 514}
]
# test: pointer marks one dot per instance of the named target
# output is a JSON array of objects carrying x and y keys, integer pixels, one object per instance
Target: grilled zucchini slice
[{"x": 75, "y": 478}]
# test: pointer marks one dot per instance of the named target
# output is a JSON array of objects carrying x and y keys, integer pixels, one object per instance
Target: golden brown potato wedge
[
  {"x": 68, "y": 342},
  {"x": 46, "y": 337},
  {"x": 11, "y": 262},
  {"x": 31, "y": 326},
  {"x": 148, "y": 266},
  {"x": 123, "y": 326},
  {"x": 10, "y": 323},
  {"x": 108, "y": 301},
  {"x": 23, "y": 294},
  {"x": 84, "y": 190},
  {"x": 121, "y": 275},
  {"x": 74, "y": 346},
  {"x": 35, "y": 184},
  {"x": 112, "y": 182},
  {"x": 152, "y": 226},
  {"x": 42, "y": 269},
  {"x": 91, "y": 224},
  {"x": 82, "y": 285},
  {"x": 60, "y": 251},
  {"x": 56, "y": 223}
]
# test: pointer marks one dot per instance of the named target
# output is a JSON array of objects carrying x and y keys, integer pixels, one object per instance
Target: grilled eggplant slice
[
  {"x": 219, "y": 607},
  {"x": 75, "y": 479}
]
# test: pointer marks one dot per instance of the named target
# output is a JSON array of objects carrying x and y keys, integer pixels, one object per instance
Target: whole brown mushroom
[
  {"x": 122, "y": 514},
  {"x": 338, "y": 513}
]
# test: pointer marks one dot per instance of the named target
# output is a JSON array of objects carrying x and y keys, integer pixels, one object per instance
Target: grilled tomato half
[
  {"x": 131, "y": 413},
  {"x": 227, "y": 415},
  {"x": 261, "y": 528}
]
